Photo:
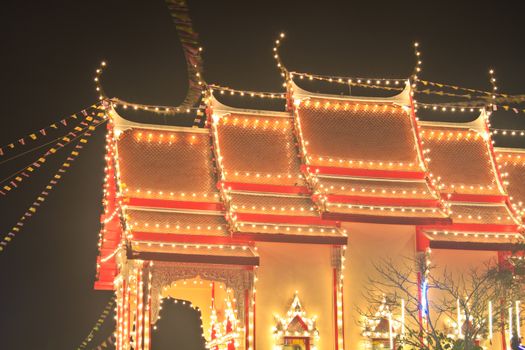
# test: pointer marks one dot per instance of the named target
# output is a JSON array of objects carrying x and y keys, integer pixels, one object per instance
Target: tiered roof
[
  {"x": 512, "y": 169},
  {"x": 207, "y": 194},
  {"x": 461, "y": 159},
  {"x": 362, "y": 158},
  {"x": 172, "y": 207},
  {"x": 261, "y": 181}
]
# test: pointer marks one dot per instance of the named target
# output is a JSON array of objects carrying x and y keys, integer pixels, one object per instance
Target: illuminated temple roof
[
  {"x": 512, "y": 168},
  {"x": 362, "y": 159},
  {"x": 206, "y": 195},
  {"x": 462, "y": 161}
]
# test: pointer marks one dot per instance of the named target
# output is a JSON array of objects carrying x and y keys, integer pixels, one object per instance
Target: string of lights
[
  {"x": 444, "y": 107},
  {"x": 472, "y": 106},
  {"x": 388, "y": 84},
  {"x": 507, "y": 132},
  {"x": 98, "y": 85},
  {"x": 160, "y": 109},
  {"x": 417, "y": 67},
  {"x": 245, "y": 93},
  {"x": 278, "y": 61}
]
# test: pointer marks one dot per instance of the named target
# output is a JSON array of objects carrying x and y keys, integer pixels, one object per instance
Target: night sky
[{"x": 50, "y": 50}]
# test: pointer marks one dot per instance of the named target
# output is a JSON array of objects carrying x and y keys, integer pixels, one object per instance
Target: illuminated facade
[{"x": 274, "y": 218}]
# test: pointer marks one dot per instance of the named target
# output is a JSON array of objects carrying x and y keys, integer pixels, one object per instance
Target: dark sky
[{"x": 50, "y": 50}]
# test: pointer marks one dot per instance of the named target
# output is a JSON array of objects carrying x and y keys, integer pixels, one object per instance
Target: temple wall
[
  {"x": 369, "y": 243},
  {"x": 458, "y": 263},
  {"x": 284, "y": 269}
]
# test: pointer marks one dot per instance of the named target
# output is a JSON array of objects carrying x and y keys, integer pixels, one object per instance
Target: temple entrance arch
[
  {"x": 179, "y": 326},
  {"x": 142, "y": 285},
  {"x": 222, "y": 294}
]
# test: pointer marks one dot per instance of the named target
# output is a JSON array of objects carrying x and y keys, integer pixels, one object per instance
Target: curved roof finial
[
  {"x": 417, "y": 68},
  {"x": 284, "y": 72},
  {"x": 98, "y": 84}
]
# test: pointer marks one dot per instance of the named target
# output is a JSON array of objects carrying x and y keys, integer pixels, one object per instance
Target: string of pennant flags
[
  {"x": 461, "y": 88},
  {"x": 39, "y": 134},
  {"x": 89, "y": 123},
  {"x": 100, "y": 321},
  {"x": 42, "y": 196},
  {"x": 110, "y": 341},
  {"x": 189, "y": 39}
]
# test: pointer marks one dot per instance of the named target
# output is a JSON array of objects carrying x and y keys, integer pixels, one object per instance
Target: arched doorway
[{"x": 179, "y": 326}]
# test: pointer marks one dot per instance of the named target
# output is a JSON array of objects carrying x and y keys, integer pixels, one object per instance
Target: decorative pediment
[{"x": 296, "y": 327}]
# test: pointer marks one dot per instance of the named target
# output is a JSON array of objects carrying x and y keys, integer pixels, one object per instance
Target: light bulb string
[
  {"x": 467, "y": 106},
  {"x": 263, "y": 94},
  {"x": 361, "y": 82},
  {"x": 159, "y": 109},
  {"x": 417, "y": 68}
]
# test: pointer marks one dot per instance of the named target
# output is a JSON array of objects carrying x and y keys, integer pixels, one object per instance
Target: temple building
[{"x": 270, "y": 222}]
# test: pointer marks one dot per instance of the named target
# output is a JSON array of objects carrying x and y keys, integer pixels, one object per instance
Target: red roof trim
[
  {"x": 472, "y": 245},
  {"x": 285, "y": 219},
  {"x": 170, "y": 204},
  {"x": 291, "y": 238},
  {"x": 99, "y": 285},
  {"x": 402, "y": 202},
  {"x": 389, "y": 174},
  {"x": 196, "y": 258},
  {"x": 474, "y": 198},
  {"x": 475, "y": 227},
  {"x": 186, "y": 238},
  {"x": 240, "y": 186},
  {"x": 393, "y": 220}
]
